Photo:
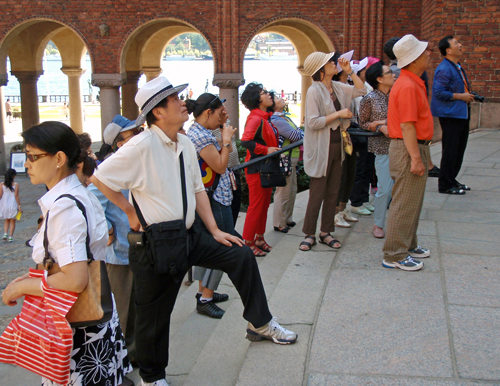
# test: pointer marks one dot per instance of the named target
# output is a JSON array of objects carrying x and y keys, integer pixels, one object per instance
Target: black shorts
[{"x": 9, "y": 114}]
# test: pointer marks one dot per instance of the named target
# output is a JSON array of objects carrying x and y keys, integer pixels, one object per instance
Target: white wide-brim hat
[
  {"x": 348, "y": 56},
  {"x": 315, "y": 61},
  {"x": 152, "y": 93},
  {"x": 408, "y": 49}
]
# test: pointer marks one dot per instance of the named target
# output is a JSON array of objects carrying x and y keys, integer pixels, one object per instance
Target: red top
[
  {"x": 408, "y": 103},
  {"x": 258, "y": 134}
]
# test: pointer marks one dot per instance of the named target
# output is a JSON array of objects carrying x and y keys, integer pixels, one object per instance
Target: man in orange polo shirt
[{"x": 410, "y": 125}]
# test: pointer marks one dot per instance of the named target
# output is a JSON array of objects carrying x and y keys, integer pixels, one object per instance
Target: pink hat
[{"x": 372, "y": 60}]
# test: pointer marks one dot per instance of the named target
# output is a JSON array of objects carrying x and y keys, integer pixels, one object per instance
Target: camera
[{"x": 478, "y": 98}]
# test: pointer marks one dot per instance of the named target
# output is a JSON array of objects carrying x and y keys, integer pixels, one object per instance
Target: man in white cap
[
  {"x": 167, "y": 193},
  {"x": 410, "y": 126},
  {"x": 121, "y": 279}
]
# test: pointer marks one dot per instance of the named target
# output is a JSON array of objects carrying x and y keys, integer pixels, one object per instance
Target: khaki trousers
[
  {"x": 407, "y": 199},
  {"x": 284, "y": 198},
  {"x": 121, "y": 281}
]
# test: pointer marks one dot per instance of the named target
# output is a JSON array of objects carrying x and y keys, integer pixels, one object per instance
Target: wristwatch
[
  {"x": 352, "y": 72},
  {"x": 377, "y": 129},
  {"x": 228, "y": 145}
]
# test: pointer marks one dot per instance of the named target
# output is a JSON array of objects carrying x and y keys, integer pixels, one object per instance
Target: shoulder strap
[
  {"x": 184, "y": 196},
  {"x": 48, "y": 260}
]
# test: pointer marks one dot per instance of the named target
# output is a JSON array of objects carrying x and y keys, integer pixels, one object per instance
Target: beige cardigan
[{"x": 317, "y": 135}]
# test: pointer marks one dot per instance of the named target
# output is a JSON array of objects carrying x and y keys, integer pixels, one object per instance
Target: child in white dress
[{"x": 10, "y": 204}]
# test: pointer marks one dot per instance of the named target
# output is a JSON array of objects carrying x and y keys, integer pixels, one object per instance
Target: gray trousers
[{"x": 384, "y": 187}]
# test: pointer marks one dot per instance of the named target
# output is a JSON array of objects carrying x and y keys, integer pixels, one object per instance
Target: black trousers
[
  {"x": 454, "y": 142},
  {"x": 156, "y": 295},
  {"x": 348, "y": 177},
  {"x": 236, "y": 203},
  {"x": 365, "y": 165}
]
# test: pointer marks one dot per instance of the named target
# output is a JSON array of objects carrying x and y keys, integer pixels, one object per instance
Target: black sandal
[
  {"x": 282, "y": 230},
  {"x": 291, "y": 224},
  {"x": 331, "y": 243},
  {"x": 307, "y": 244}
]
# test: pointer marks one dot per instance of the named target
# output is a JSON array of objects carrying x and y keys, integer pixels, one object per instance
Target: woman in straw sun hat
[{"x": 327, "y": 113}]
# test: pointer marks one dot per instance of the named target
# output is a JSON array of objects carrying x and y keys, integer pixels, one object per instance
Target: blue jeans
[
  {"x": 384, "y": 185},
  {"x": 223, "y": 216}
]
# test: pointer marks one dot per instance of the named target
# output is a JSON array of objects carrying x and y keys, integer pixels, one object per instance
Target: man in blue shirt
[{"x": 450, "y": 102}]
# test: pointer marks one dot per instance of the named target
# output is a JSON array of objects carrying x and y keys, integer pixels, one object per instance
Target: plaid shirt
[{"x": 201, "y": 138}]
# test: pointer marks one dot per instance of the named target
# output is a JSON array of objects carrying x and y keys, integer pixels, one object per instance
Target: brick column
[
  {"x": 75, "y": 98},
  {"x": 228, "y": 89},
  {"x": 29, "y": 97},
  {"x": 129, "y": 108},
  {"x": 151, "y": 72},
  {"x": 3, "y": 160},
  {"x": 109, "y": 96}
]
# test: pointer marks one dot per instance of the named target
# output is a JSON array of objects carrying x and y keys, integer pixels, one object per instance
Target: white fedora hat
[
  {"x": 152, "y": 93},
  {"x": 407, "y": 49}
]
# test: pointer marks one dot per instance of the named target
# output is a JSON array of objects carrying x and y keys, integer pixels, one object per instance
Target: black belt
[{"x": 420, "y": 141}]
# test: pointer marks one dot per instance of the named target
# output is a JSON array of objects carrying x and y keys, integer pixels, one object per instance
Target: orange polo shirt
[{"x": 408, "y": 103}]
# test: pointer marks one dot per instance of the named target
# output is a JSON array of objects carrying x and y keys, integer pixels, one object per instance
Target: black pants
[
  {"x": 348, "y": 177},
  {"x": 365, "y": 166},
  {"x": 156, "y": 295},
  {"x": 236, "y": 203},
  {"x": 455, "y": 137}
]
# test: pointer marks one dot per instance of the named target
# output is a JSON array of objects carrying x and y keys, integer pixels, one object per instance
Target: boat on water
[
  {"x": 178, "y": 57},
  {"x": 279, "y": 56}
]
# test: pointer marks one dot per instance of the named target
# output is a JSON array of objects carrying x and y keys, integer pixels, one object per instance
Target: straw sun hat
[{"x": 315, "y": 61}]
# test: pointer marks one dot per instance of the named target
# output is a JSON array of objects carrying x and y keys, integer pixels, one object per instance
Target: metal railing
[{"x": 52, "y": 98}]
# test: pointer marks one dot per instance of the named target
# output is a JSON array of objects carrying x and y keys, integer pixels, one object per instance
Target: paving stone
[
  {"x": 468, "y": 238},
  {"x": 303, "y": 281},
  {"x": 434, "y": 200},
  {"x": 480, "y": 183},
  {"x": 357, "y": 380},
  {"x": 273, "y": 364},
  {"x": 476, "y": 341},
  {"x": 482, "y": 172},
  {"x": 472, "y": 280},
  {"x": 445, "y": 216},
  {"x": 396, "y": 325},
  {"x": 481, "y": 165}
]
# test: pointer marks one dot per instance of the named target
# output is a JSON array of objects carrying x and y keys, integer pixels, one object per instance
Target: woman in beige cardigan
[{"x": 327, "y": 113}]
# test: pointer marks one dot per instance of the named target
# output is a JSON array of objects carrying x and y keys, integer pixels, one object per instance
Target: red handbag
[{"x": 40, "y": 338}]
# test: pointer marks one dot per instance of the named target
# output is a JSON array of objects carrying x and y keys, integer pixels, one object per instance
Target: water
[{"x": 274, "y": 75}]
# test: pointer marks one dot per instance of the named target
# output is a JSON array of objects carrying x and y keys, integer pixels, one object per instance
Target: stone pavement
[{"x": 358, "y": 323}]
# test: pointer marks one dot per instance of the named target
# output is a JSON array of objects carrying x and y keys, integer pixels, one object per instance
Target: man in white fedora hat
[
  {"x": 160, "y": 168},
  {"x": 410, "y": 126}
]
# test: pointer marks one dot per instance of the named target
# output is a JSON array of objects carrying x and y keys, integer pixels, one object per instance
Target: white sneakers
[
  {"x": 360, "y": 210},
  {"x": 340, "y": 221},
  {"x": 161, "y": 382},
  {"x": 271, "y": 331}
]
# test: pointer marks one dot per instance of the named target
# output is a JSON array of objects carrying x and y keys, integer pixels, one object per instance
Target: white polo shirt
[{"x": 148, "y": 165}]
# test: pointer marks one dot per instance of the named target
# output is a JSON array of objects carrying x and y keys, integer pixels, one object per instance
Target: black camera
[{"x": 478, "y": 98}]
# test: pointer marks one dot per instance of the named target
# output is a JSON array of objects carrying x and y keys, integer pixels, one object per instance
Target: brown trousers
[
  {"x": 407, "y": 200},
  {"x": 121, "y": 281},
  {"x": 325, "y": 190}
]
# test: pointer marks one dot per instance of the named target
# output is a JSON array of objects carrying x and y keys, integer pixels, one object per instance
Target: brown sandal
[{"x": 264, "y": 246}]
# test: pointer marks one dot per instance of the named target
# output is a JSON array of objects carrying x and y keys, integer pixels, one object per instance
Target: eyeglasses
[
  {"x": 388, "y": 72},
  {"x": 36, "y": 157},
  {"x": 264, "y": 92}
]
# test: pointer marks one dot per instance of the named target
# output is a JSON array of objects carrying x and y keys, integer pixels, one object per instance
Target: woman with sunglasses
[
  {"x": 373, "y": 117},
  {"x": 260, "y": 138},
  {"x": 327, "y": 113},
  {"x": 209, "y": 115},
  {"x": 53, "y": 156}
]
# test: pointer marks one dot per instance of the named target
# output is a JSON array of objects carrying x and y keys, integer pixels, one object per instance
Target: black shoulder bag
[{"x": 168, "y": 241}]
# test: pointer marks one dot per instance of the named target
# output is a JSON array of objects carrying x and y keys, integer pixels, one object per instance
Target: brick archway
[{"x": 24, "y": 44}]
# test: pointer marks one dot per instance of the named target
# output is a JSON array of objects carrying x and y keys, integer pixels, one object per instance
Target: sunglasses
[
  {"x": 388, "y": 72},
  {"x": 36, "y": 157},
  {"x": 264, "y": 92},
  {"x": 210, "y": 105}
]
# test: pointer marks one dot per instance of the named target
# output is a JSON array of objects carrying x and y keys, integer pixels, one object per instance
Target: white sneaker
[
  {"x": 368, "y": 206},
  {"x": 271, "y": 331},
  {"x": 340, "y": 222},
  {"x": 161, "y": 382},
  {"x": 348, "y": 215},
  {"x": 361, "y": 210}
]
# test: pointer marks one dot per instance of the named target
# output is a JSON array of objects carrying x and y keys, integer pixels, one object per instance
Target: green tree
[
  {"x": 179, "y": 47},
  {"x": 196, "y": 53}
]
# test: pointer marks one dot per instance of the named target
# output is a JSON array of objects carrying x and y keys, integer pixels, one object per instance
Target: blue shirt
[
  {"x": 201, "y": 138},
  {"x": 117, "y": 252}
]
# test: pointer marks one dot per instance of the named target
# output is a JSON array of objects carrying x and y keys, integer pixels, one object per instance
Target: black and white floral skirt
[{"x": 99, "y": 356}]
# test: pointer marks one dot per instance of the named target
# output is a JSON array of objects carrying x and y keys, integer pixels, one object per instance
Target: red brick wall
[{"x": 228, "y": 25}]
